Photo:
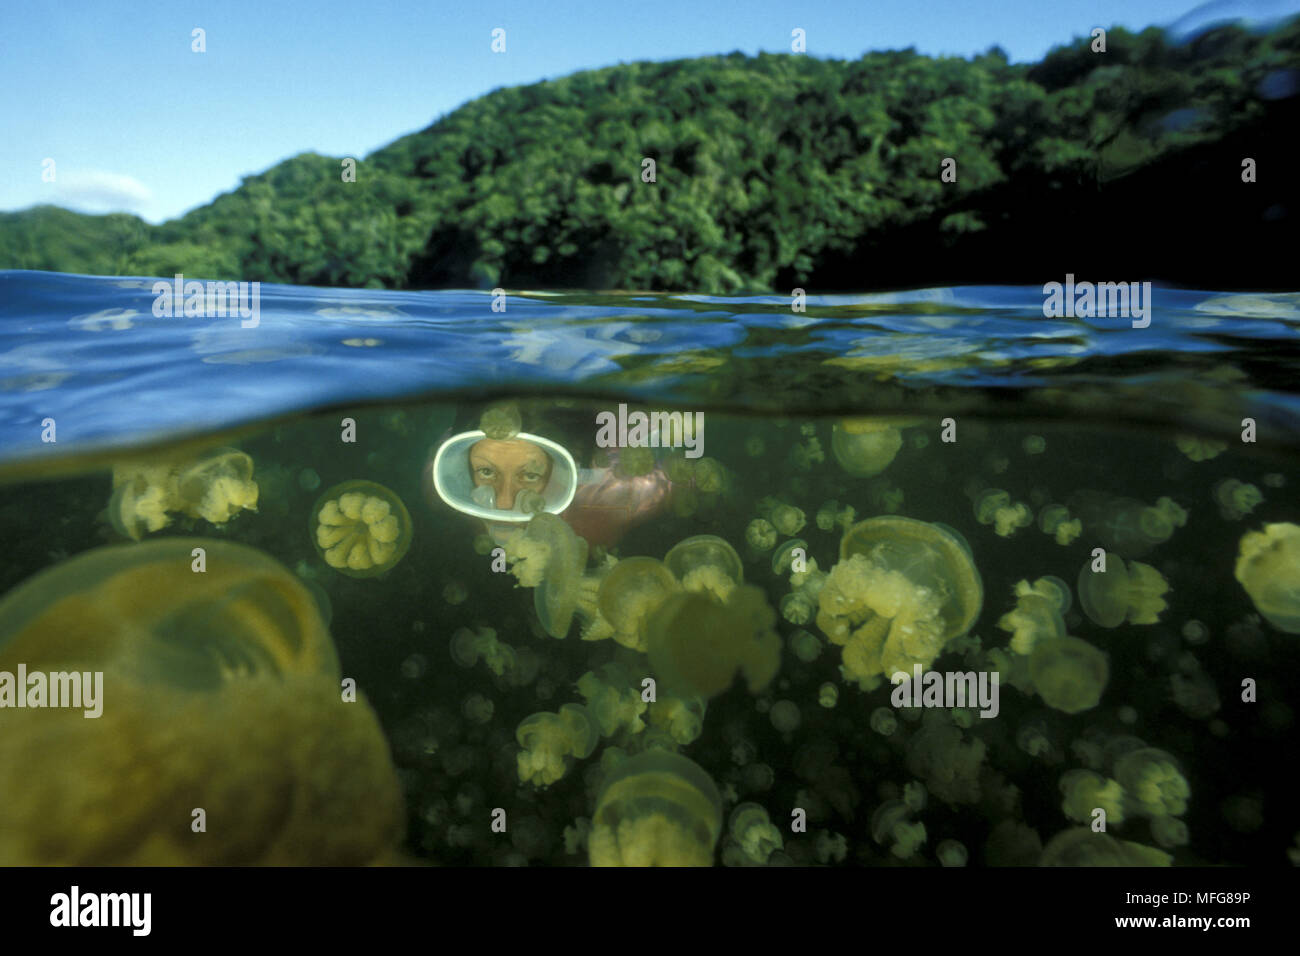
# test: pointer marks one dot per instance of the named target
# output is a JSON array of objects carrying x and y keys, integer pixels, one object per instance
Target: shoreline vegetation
[{"x": 774, "y": 172}]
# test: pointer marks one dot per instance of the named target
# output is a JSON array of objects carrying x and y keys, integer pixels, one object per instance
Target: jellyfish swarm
[
  {"x": 656, "y": 809},
  {"x": 1268, "y": 567},
  {"x": 360, "y": 528},
  {"x": 901, "y": 590},
  {"x": 222, "y": 691}
]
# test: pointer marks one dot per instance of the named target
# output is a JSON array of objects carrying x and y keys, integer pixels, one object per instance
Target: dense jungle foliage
[{"x": 773, "y": 172}]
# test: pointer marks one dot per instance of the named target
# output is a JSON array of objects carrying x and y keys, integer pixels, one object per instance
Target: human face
[{"x": 509, "y": 467}]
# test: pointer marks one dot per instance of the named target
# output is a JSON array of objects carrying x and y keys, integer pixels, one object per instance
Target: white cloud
[{"x": 94, "y": 190}]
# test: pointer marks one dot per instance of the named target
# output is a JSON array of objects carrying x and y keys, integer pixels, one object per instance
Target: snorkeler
[{"x": 505, "y": 482}]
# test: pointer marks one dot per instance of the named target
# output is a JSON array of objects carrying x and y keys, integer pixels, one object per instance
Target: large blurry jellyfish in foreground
[
  {"x": 697, "y": 644},
  {"x": 221, "y": 693}
]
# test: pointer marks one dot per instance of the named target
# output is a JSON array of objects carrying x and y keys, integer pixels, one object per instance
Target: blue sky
[{"x": 135, "y": 121}]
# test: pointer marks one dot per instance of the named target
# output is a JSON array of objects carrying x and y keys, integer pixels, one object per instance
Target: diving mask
[{"x": 453, "y": 479}]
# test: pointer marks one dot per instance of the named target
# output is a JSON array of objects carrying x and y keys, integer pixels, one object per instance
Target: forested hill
[{"x": 774, "y": 172}]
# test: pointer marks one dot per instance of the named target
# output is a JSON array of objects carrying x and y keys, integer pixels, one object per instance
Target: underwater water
[{"x": 299, "y": 636}]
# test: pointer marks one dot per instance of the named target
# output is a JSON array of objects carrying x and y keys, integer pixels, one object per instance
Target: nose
[{"x": 506, "y": 491}]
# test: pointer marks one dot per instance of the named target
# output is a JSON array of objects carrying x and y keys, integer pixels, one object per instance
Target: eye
[
  {"x": 532, "y": 476},
  {"x": 485, "y": 472}
]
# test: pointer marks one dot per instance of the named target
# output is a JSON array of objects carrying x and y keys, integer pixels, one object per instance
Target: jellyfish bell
[
  {"x": 144, "y": 607},
  {"x": 218, "y": 485},
  {"x": 656, "y": 809},
  {"x": 929, "y": 555},
  {"x": 1068, "y": 673},
  {"x": 1131, "y": 592},
  {"x": 705, "y": 562},
  {"x": 222, "y": 678},
  {"x": 630, "y": 592},
  {"x": 360, "y": 528},
  {"x": 865, "y": 447}
]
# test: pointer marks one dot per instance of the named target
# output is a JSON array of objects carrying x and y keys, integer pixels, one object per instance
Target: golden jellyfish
[
  {"x": 1037, "y": 615},
  {"x": 1034, "y": 618},
  {"x": 1132, "y": 592},
  {"x": 1236, "y": 499},
  {"x": 501, "y": 422},
  {"x": 635, "y": 461},
  {"x": 785, "y": 557},
  {"x": 215, "y": 486},
  {"x": 710, "y": 476},
  {"x": 1268, "y": 567},
  {"x": 550, "y": 557},
  {"x": 760, "y": 535},
  {"x": 1127, "y": 525},
  {"x": 755, "y": 835},
  {"x": 1153, "y": 782},
  {"x": 681, "y": 720},
  {"x": 902, "y": 589},
  {"x": 1200, "y": 449},
  {"x": 1068, "y": 673},
  {"x": 468, "y": 647},
  {"x": 141, "y": 499},
  {"x": 1081, "y": 846},
  {"x": 550, "y": 742},
  {"x": 786, "y": 518},
  {"x": 1086, "y": 791},
  {"x": 865, "y": 447},
  {"x": 220, "y": 689},
  {"x": 629, "y": 593},
  {"x": 994, "y": 506},
  {"x": 1055, "y": 520},
  {"x": 613, "y": 700},
  {"x": 656, "y": 809},
  {"x": 706, "y": 563},
  {"x": 360, "y": 528},
  {"x": 697, "y": 645}
]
